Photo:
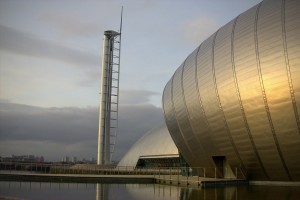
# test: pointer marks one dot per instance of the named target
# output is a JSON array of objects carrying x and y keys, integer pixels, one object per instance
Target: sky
[{"x": 50, "y": 67}]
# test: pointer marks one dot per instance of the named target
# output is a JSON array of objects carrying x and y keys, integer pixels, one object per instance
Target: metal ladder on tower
[{"x": 114, "y": 111}]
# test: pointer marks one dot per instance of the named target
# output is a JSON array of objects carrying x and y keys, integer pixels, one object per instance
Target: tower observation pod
[{"x": 109, "y": 96}]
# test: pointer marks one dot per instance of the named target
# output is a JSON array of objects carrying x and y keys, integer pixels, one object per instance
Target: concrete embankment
[
  {"x": 78, "y": 178},
  {"x": 176, "y": 180},
  {"x": 182, "y": 181},
  {"x": 194, "y": 181}
]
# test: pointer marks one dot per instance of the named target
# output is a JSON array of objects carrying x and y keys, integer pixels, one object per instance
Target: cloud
[
  {"x": 69, "y": 27},
  {"x": 136, "y": 96},
  {"x": 56, "y": 132},
  {"x": 62, "y": 125},
  {"x": 24, "y": 43},
  {"x": 134, "y": 122},
  {"x": 197, "y": 30}
]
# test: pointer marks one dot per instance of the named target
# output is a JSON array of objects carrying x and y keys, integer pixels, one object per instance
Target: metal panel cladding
[{"x": 237, "y": 96}]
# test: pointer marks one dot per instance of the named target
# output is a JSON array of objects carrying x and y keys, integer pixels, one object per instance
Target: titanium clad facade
[{"x": 237, "y": 96}]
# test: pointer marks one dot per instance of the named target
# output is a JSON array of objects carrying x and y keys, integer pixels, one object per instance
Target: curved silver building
[
  {"x": 157, "y": 143},
  {"x": 236, "y": 98}
]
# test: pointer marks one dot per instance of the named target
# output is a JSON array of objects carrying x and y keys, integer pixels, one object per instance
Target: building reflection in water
[
  {"x": 46, "y": 190},
  {"x": 165, "y": 192},
  {"x": 242, "y": 192}
]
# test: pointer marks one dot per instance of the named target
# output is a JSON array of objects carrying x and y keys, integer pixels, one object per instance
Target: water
[{"x": 46, "y": 190}]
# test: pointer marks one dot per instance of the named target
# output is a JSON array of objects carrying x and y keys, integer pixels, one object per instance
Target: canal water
[{"x": 96, "y": 191}]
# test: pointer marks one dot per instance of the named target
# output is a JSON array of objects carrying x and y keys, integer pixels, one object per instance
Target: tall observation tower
[{"x": 109, "y": 95}]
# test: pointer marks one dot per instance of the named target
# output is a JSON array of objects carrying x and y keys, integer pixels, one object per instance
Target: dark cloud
[
  {"x": 63, "y": 125},
  {"x": 135, "y": 121},
  {"x": 56, "y": 132},
  {"x": 24, "y": 43}
]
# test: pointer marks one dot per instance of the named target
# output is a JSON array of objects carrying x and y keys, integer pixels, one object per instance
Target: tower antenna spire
[{"x": 121, "y": 21}]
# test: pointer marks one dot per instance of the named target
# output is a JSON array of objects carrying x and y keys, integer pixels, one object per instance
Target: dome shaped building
[
  {"x": 154, "y": 148},
  {"x": 235, "y": 101}
]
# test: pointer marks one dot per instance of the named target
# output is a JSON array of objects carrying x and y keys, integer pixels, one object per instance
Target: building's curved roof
[
  {"x": 237, "y": 96},
  {"x": 156, "y": 142}
]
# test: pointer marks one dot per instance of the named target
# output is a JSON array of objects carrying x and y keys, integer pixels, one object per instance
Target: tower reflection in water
[
  {"x": 46, "y": 190},
  {"x": 102, "y": 191}
]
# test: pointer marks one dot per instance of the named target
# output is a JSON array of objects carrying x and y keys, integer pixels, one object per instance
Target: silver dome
[
  {"x": 237, "y": 96},
  {"x": 156, "y": 142}
]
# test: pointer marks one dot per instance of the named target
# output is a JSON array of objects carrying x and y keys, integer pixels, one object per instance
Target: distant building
[
  {"x": 23, "y": 158},
  {"x": 65, "y": 159},
  {"x": 74, "y": 159}
]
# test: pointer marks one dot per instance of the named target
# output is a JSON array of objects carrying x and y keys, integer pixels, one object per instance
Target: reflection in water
[
  {"x": 43, "y": 190},
  {"x": 245, "y": 193},
  {"x": 102, "y": 191}
]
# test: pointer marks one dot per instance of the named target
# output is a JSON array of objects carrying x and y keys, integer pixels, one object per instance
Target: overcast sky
[{"x": 50, "y": 64}]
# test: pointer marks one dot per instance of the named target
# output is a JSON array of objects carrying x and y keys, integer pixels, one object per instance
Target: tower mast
[{"x": 109, "y": 95}]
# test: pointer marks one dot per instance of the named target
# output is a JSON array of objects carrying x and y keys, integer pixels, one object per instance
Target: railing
[{"x": 93, "y": 169}]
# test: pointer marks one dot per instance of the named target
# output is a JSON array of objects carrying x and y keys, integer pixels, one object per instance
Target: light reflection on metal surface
[{"x": 238, "y": 95}]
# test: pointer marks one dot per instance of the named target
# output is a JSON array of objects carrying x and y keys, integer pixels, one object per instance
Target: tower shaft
[{"x": 106, "y": 95}]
